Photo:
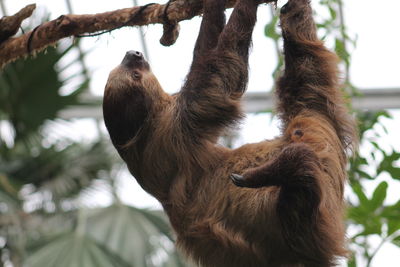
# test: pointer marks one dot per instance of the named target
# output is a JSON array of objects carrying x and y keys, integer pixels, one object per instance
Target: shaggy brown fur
[{"x": 287, "y": 205}]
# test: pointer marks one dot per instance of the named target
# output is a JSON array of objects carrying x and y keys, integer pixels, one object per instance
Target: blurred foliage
[
  {"x": 373, "y": 217},
  {"x": 25, "y": 84},
  {"x": 118, "y": 236}
]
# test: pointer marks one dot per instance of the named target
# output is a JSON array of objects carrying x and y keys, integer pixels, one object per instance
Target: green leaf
[
  {"x": 358, "y": 190},
  {"x": 30, "y": 91},
  {"x": 372, "y": 225},
  {"x": 62, "y": 172},
  {"x": 357, "y": 214},
  {"x": 392, "y": 212},
  {"x": 128, "y": 232},
  {"x": 396, "y": 241},
  {"x": 363, "y": 174},
  {"x": 393, "y": 226},
  {"x": 368, "y": 119},
  {"x": 341, "y": 51},
  {"x": 71, "y": 250},
  {"x": 333, "y": 13},
  {"x": 270, "y": 29},
  {"x": 379, "y": 196},
  {"x": 352, "y": 261},
  {"x": 388, "y": 165}
]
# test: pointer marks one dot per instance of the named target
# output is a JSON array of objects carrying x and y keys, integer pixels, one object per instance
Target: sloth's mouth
[{"x": 134, "y": 59}]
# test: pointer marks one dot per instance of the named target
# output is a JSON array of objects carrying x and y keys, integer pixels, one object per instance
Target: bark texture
[{"x": 49, "y": 33}]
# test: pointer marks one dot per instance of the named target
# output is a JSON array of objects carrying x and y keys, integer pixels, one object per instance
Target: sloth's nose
[
  {"x": 133, "y": 58},
  {"x": 133, "y": 53}
]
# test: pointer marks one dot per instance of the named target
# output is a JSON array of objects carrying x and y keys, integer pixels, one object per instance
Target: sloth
[{"x": 274, "y": 203}]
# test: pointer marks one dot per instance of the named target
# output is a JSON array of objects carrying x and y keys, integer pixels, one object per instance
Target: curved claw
[{"x": 238, "y": 180}]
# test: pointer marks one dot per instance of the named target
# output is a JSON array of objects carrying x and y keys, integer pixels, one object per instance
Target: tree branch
[
  {"x": 49, "y": 33},
  {"x": 9, "y": 25}
]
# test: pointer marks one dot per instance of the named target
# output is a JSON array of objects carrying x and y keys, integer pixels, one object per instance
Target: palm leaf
[
  {"x": 30, "y": 91},
  {"x": 127, "y": 232},
  {"x": 72, "y": 249},
  {"x": 64, "y": 172}
]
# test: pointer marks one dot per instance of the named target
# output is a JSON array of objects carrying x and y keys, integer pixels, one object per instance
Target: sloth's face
[
  {"x": 132, "y": 74},
  {"x": 135, "y": 63},
  {"x": 131, "y": 81}
]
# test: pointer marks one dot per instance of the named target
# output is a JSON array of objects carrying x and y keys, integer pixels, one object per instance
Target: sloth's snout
[
  {"x": 133, "y": 58},
  {"x": 133, "y": 53}
]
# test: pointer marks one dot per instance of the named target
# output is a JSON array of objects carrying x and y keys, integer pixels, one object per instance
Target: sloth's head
[
  {"x": 133, "y": 73},
  {"x": 130, "y": 80},
  {"x": 131, "y": 92}
]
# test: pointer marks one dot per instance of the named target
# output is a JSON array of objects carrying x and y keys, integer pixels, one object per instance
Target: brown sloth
[{"x": 274, "y": 203}]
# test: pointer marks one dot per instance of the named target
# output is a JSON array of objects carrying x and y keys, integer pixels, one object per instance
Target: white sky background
[{"x": 375, "y": 64}]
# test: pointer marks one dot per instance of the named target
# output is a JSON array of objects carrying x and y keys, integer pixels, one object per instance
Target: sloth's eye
[{"x": 136, "y": 75}]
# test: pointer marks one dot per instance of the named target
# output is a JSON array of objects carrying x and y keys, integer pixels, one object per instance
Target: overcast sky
[{"x": 375, "y": 64}]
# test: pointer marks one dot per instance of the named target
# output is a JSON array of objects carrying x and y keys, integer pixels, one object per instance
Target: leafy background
[{"x": 45, "y": 183}]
